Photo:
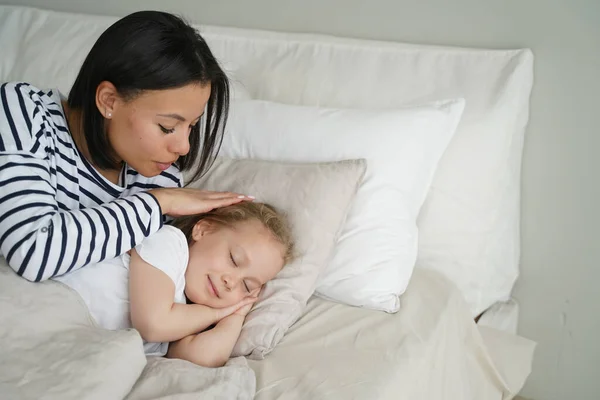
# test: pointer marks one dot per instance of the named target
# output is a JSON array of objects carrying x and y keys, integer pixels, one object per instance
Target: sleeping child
[{"x": 202, "y": 271}]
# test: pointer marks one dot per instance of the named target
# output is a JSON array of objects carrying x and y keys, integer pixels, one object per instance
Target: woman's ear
[
  {"x": 201, "y": 228},
  {"x": 107, "y": 97}
]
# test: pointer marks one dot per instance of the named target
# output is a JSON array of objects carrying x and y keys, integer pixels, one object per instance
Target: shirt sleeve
[
  {"x": 39, "y": 238},
  {"x": 166, "y": 250}
]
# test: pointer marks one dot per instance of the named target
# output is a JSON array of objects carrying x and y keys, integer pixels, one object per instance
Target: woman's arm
[
  {"x": 211, "y": 348},
  {"x": 153, "y": 310},
  {"x": 40, "y": 239}
]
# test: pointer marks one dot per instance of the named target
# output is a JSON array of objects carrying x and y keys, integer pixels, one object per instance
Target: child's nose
[{"x": 230, "y": 282}]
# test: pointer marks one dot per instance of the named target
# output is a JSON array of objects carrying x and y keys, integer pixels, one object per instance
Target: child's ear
[{"x": 201, "y": 228}]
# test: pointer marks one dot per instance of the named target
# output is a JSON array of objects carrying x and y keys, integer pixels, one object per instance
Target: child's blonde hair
[{"x": 272, "y": 219}]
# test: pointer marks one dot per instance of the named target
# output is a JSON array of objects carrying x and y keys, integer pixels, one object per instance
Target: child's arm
[
  {"x": 153, "y": 310},
  {"x": 211, "y": 348}
]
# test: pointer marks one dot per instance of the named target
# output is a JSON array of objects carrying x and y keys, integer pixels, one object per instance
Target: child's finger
[
  {"x": 247, "y": 301},
  {"x": 227, "y": 311}
]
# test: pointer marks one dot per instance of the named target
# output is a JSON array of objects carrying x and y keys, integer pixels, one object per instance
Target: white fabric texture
[
  {"x": 316, "y": 198},
  {"x": 432, "y": 350},
  {"x": 56, "y": 351},
  {"x": 375, "y": 255},
  {"x": 503, "y": 316},
  {"x": 469, "y": 224},
  {"x": 104, "y": 286}
]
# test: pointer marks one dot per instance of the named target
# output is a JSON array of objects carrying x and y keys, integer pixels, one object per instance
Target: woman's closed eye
[{"x": 166, "y": 130}]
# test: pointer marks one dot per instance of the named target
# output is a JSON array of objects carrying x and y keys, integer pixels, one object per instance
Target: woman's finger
[
  {"x": 218, "y": 203},
  {"x": 223, "y": 195}
]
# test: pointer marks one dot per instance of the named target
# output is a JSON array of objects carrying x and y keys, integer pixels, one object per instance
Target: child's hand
[
  {"x": 243, "y": 311},
  {"x": 227, "y": 311}
]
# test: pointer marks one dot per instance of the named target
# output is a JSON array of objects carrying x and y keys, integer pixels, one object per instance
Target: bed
[{"x": 431, "y": 349}]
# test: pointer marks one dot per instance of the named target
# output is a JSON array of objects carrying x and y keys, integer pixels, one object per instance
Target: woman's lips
[{"x": 163, "y": 166}]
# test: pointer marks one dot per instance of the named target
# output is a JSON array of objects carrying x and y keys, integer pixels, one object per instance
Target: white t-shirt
[{"x": 105, "y": 286}]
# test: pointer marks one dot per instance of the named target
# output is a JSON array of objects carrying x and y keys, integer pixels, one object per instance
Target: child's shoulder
[
  {"x": 171, "y": 233},
  {"x": 168, "y": 238},
  {"x": 165, "y": 249}
]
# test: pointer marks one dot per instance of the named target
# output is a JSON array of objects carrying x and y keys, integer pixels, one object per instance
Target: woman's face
[
  {"x": 228, "y": 264},
  {"x": 152, "y": 131}
]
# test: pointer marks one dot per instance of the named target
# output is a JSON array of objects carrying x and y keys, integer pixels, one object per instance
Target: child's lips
[{"x": 212, "y": 288}]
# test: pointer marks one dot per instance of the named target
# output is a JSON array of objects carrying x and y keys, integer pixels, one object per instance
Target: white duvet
[
  {"x": 51, "y": 349},
  {"x": 429, "y": 350}
]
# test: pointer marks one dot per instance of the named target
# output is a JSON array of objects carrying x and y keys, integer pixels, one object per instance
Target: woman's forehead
[{"x": 187, "y": 102}]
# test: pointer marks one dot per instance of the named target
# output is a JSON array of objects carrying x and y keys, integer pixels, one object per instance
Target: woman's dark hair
[{"x": 152, "y": 50}]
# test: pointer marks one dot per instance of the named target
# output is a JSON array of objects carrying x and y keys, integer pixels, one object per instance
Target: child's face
[{"x": 228, "y": 264}]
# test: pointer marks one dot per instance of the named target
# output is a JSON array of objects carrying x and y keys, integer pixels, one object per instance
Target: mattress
[{"x": 431, "y": 349}]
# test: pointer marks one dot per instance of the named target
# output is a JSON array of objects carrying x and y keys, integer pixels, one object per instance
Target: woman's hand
[{"x": 178, "y": 202}]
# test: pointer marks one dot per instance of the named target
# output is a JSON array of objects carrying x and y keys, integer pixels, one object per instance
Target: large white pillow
[
  {"x": 375, "y": 255},
  {"x": 469, "y": 223}
]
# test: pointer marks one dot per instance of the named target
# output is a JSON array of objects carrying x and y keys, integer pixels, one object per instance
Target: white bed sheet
[
  {"x": 52, "y": 349},
  {"x": 431, "y": 349}
]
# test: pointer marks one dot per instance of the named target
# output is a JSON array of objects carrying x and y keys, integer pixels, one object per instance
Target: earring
[{"x": 109, "y": 115}]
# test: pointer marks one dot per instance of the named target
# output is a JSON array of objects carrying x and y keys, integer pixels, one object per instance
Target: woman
[{"x": 86, "y": 179}]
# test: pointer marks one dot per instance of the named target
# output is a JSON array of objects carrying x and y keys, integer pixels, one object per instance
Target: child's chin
[{"x": 213, "y": 304}]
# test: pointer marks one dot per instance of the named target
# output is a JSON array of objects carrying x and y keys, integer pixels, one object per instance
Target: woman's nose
[{"x": 180, "y": 143}]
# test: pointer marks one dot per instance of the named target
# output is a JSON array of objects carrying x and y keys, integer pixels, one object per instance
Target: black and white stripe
[{"x": 57, "y": 213}]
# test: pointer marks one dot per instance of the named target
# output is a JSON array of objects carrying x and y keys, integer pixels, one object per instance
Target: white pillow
[
  {"x": 375, "y": 255},
  {"x": 316, "y": 198},
  {"x": 469, "y": 223}
]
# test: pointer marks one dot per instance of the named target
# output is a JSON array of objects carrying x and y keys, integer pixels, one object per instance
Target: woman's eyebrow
[
  {"x": 174, "y": 116},
  {"x": 178, "y": 117}
]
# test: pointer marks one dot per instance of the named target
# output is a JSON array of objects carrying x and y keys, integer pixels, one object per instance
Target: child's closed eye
[{"x": 236, "y": 265}]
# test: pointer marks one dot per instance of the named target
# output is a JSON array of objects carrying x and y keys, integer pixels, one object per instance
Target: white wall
[{"x": 561, "y": 195}]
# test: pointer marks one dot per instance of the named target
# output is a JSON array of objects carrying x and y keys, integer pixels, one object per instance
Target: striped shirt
[{"x": 57, "y": 213}]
